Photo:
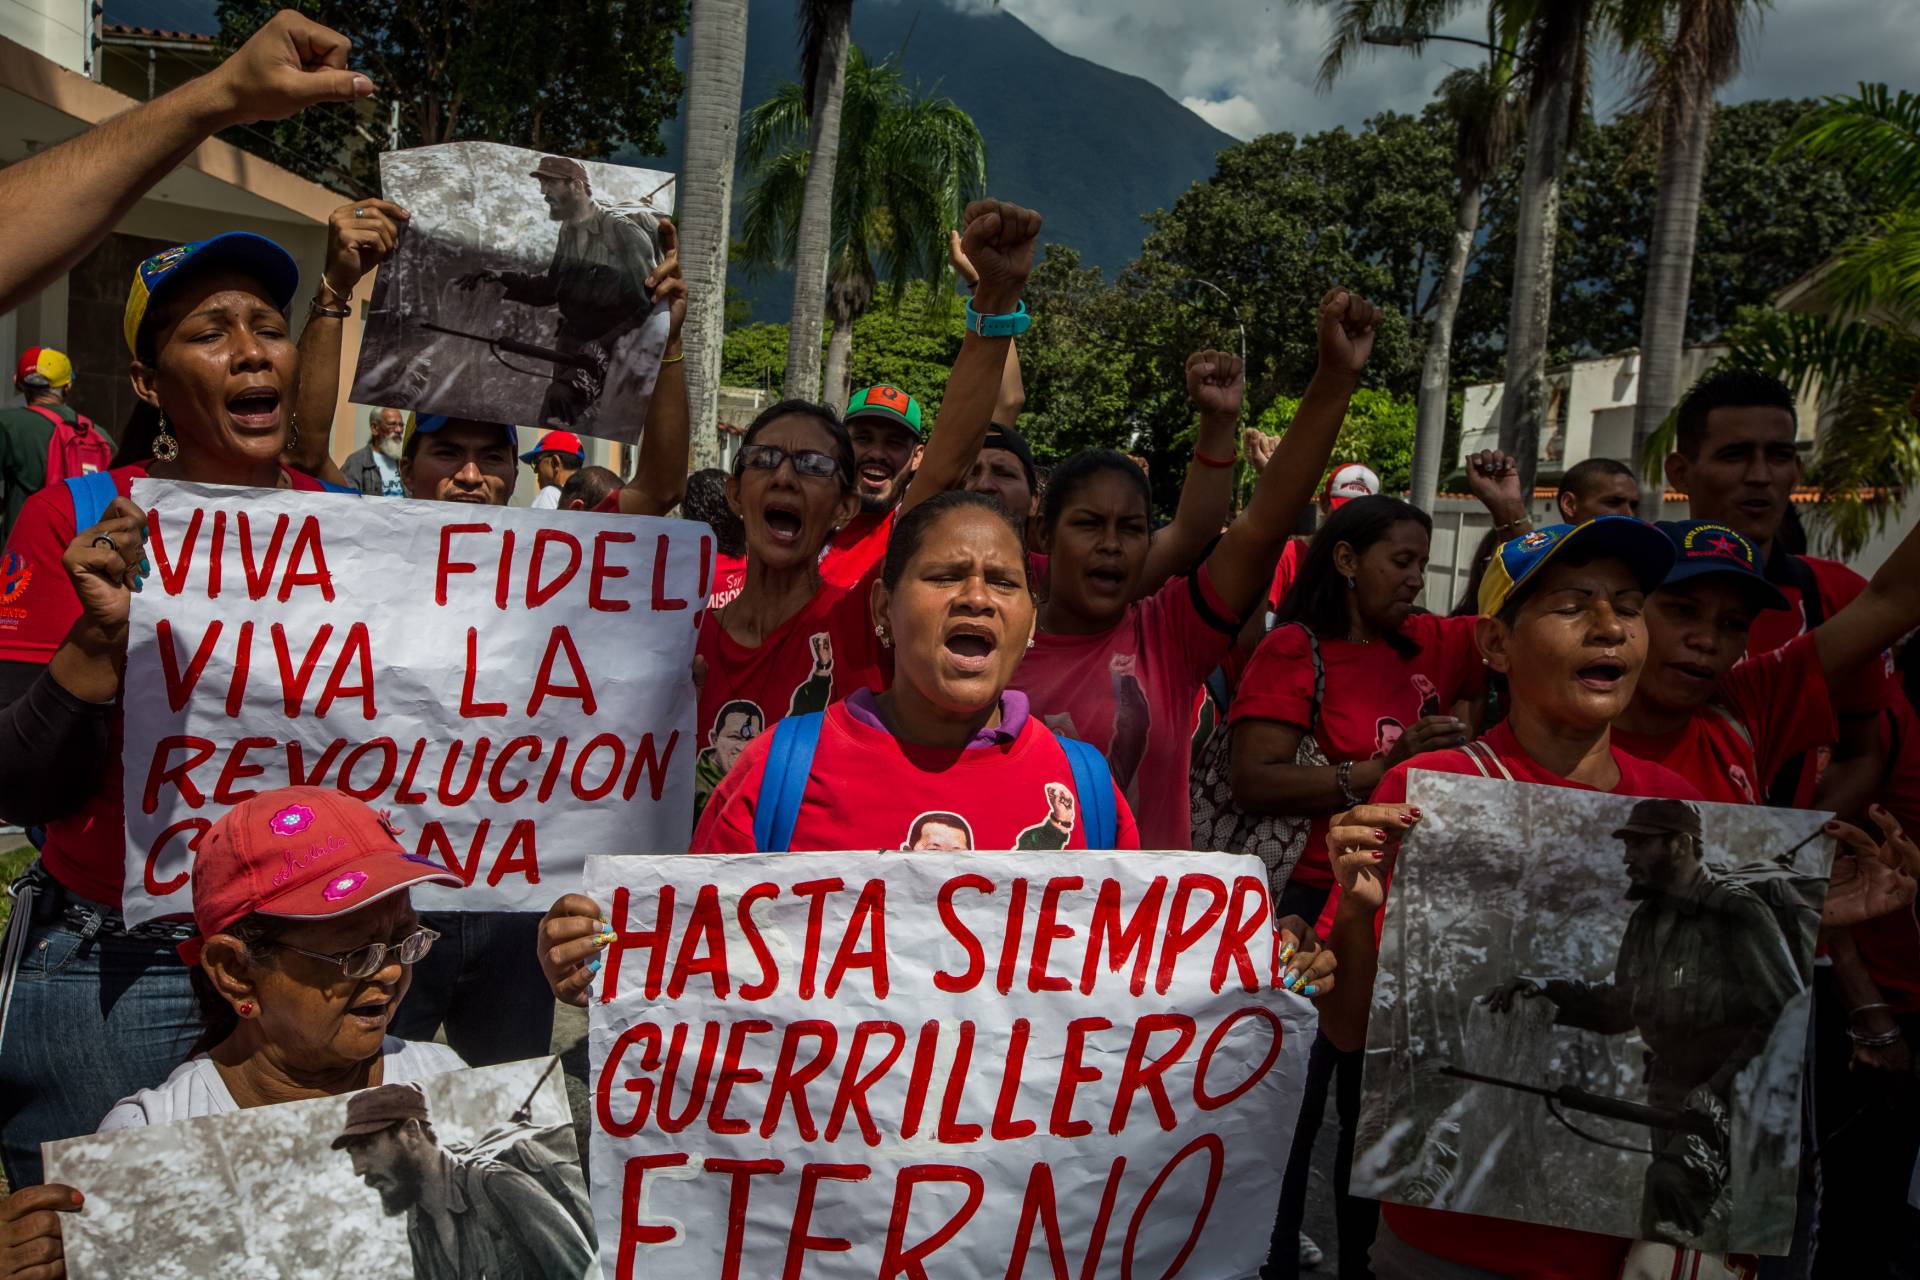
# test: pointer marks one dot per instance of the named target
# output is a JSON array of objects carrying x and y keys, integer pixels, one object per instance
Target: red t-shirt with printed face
[
  {"x": 1521, "y": 1249},
  {"x": 85, "y": 851},
  {"x": 1864, "y": 690},
  {"x": 1768, "y": 709},
  {"x": 1131, "y": 691},
  {"x": 869, "y": 790},
  {"x": 818, "y": 656},
  {"x": 1890, "y": 945},
  {"x": 729, "y": 575},
  {"x": 857, "y": 549},
  {"x": 1372, "y": 695}
]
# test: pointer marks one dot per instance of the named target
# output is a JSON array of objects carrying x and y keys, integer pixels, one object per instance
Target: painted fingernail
[
  {"x": 603, "y": 939},
  {"x": 1833, "y": 826},
  {"x": 1286, "y": 953},
  {"x": 1413, "y": 813},
  {"x": 593, "y": 965},
  {"x": 601, "y": 926},
  {"x": 1309, "y": 989},
  {"x": 1378, "y": 834},
  {"x": 145, "y": 568},
  {"x": 136, "y": 585},
  {"x": 1292, "y": 980}
]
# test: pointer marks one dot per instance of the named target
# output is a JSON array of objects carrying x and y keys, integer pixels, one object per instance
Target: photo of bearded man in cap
[
  {"x": 1703, "y": 972},
  {"x": 597, "y": 280},
  {"x": 467, "y": 1216}
]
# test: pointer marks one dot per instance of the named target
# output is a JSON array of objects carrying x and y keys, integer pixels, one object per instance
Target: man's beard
[
  {"x": 401, "y": 1194},
  {"x": 388, "y": 445},
  {"x": 888, "y": 498}
]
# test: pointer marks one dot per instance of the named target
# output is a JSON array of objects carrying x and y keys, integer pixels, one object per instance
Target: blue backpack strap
[
  {"x": 784, "y": 784},
  {"x": 1093, "y": 783},
  {"x": 92, "y": 494}
]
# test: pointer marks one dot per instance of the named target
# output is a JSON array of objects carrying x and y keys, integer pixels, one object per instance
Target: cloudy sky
[{"x": 1249, "y": 65}]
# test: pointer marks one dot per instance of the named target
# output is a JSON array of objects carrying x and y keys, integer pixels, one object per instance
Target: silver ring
[
  {"x": 103, "y": 540},
  {"x": 359, "y": 212}
]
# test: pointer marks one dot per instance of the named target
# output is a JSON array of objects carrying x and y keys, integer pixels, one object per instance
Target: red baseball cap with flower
[{"x": 301, "y": 853}]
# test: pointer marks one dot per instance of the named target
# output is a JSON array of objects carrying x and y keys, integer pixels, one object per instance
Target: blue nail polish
[
  {"x": 593, "y": 965},
  {"x": 1309, "y": 990},
  {"x": 1292, "y": 978},
  {"x": 145, "y": 568}
]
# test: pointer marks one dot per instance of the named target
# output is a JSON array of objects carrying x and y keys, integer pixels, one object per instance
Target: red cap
[
  {"x": 302, "y": 853},
  {"x": 1349, "y": 481},
  {"x": 555, "y": 442}
]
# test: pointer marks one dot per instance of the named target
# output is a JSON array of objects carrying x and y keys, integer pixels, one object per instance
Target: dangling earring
[
  {"x": 1350, "y": 584},
  {"x": 165, "y": 447},
  {"x": 293, "y": 434},
  {"x": 881, "y": 631}
]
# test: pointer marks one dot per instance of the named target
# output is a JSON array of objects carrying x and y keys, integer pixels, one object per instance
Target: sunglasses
[
  {"x": 364, "y": 962},
  {"x": 806, "y": 462}
]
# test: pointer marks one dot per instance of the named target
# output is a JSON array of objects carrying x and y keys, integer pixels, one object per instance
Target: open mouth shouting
[
  {"x": 969, "y": 646},
  {"x": 256, "y": 409},
  {"x": 875, "y": 475},
  {"x": 784, "y": 522},
  {"x": 372, "y": 1010},
  {"x": 1603, "y": 676}
]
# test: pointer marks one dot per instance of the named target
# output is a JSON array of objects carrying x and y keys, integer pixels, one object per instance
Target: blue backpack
[{"x": 790, "y": 764}]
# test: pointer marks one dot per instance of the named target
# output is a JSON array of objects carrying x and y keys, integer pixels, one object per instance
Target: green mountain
[{"x": 1089, "y": 147}]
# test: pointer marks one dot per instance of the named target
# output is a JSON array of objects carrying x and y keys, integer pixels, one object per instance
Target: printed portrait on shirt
[
  {"x": 735, "y": 725},
  {"x": 1052, "y": 831},
  {"x": 939, "y": 832},
  {"x": 813, "y": 693},
  {"x": 1386, "y": 735}
]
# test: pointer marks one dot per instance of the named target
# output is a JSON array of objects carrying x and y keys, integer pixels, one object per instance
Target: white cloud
[
  {"x": 1248, "y": 65},
  {"x": 1236, "y": 115}
]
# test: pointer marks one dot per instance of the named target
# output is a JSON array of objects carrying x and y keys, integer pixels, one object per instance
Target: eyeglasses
[
  {"x": 364, "y": 962},
  {"x": 807, "y": 462}
]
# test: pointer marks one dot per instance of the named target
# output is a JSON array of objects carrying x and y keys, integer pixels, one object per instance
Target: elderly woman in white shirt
[{"x": 306, "y": 942}]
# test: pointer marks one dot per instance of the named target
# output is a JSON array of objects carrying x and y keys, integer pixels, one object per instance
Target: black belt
[{"x": 54, "y": 901}]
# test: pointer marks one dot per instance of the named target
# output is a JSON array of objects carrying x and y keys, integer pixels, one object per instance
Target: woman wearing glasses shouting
[
  {"x": 789, "y": 643},
  {"x": 304, "y": 944}
]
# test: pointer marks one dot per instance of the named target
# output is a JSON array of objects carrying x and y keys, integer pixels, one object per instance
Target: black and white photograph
[
  {"x": 1591, "y": 1012},
  {"x": 466, "y": 1174},
  {"x": 518, "y": 291}
]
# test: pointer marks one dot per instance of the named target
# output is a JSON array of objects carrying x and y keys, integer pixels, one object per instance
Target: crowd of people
[{"x": 930, "y": 641}]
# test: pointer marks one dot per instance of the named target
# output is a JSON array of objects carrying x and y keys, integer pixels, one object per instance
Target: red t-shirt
[
  {"x": 1864, "y": 690},
  {"x": 1372, "y": 695},
  {"x": 857, "y": 549},
  {"x": 729, "y": 575},
  {"x": 1130, "y": 691},
  {"x": 1768, "y": 709},
  {"x": 869, "y": 790},
  {"x": 1890, "y": 945},
  {"x": 85, "y": 851},
  {"x": 819, "y": 655},
  {"x": 1286, "y": 571},
  {"x": 1527, "y": 1250}
]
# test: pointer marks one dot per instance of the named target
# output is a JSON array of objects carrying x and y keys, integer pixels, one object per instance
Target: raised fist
[
  {"x": 1493, "y": 478},
  {"x": 1216, "y": 383},
  {"x": 291, "y": 63},
  {"x": 1347, "y": 325},
  {"x": 1259, "y": 447},
  {"x": 1060, "y": 801},
  {"x": 999, "y": 242},
  {"x": 360, "y": 236}
]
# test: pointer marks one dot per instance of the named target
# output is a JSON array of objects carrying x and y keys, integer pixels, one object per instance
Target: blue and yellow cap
[
  {"x": 425, "y": 424},
  {"x": 1644, "y": 548},
  {"x": 258, "y": 256}
]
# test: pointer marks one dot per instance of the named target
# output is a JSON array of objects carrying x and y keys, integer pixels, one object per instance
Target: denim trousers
[
  {"x": 482, "y": 983},
  {"x": 93, "y": 1019}
]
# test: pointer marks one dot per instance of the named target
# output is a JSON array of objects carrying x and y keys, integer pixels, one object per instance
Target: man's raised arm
[{"x": 63, "y": 201}]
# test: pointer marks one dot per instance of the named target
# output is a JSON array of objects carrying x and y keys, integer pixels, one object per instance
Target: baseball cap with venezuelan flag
[
  {"x": 883, "y": 401},
  {"x": 43, "y": 367},
  {"x": 242, "y": 251},
  {"x": 1516, "y": 562}
]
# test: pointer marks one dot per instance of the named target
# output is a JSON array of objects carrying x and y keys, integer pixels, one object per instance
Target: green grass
[{"x": 12, "y": 863}]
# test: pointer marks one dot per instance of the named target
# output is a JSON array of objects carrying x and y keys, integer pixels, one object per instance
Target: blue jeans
[
  {"x": 93, "y": 1020},
  {"x": 482, "y": 981}
]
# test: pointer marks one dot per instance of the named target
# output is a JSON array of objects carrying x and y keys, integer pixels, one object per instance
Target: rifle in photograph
[{"x": 1675, "y": 1119}]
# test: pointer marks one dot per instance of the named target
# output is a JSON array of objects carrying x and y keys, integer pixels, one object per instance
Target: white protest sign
[
  {"x": 513, "y": 685},
  {"x": 939, "y": 1065}
]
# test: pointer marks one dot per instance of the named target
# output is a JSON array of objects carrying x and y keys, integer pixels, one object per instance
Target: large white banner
[
  {"x": 513, "y": 685},
  {"x": 939, "y": 1066}
]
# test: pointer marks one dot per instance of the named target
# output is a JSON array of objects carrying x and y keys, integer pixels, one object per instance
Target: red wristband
[{"x": 1206, "y": 461}]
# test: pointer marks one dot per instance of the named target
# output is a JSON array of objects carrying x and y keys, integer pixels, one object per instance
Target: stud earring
[
  {"x": 881, "y": 632},
  {"x": 165, "y": 447},
  {"x": 246, "y": 1008}
]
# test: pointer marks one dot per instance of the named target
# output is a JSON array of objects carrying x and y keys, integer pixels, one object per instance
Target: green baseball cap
[{"x": 883, "y": 401}]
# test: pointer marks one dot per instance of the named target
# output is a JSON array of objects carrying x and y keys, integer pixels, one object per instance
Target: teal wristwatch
[{"x": 1009, "y": 325}]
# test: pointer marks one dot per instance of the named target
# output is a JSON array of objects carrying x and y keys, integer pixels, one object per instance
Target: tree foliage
[
  {"x": 1378, "y": 431},
  {"x": 589, "y": 77},
  {"x": 912, "y": 345}
]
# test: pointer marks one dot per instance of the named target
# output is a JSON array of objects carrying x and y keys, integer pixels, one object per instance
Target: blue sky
[{"x": 1249, "y": 65}]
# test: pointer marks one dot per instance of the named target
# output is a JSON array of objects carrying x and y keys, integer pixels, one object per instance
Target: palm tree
[
  {"x": 905, "y": 170},
  {"x": 1861, "y": 347},
  {"x": 1555, "y": 50},
  {"x": 1686, "y": 50},
  {"x": 824, "y": 41},
  {"x": 1551, "y": 70},
  {"x": 1480, "y": 103},
  {"x": 716, "y": 66}
]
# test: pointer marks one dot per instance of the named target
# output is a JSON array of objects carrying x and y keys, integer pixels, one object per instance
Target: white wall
[{"x": 58, "y": 30}]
